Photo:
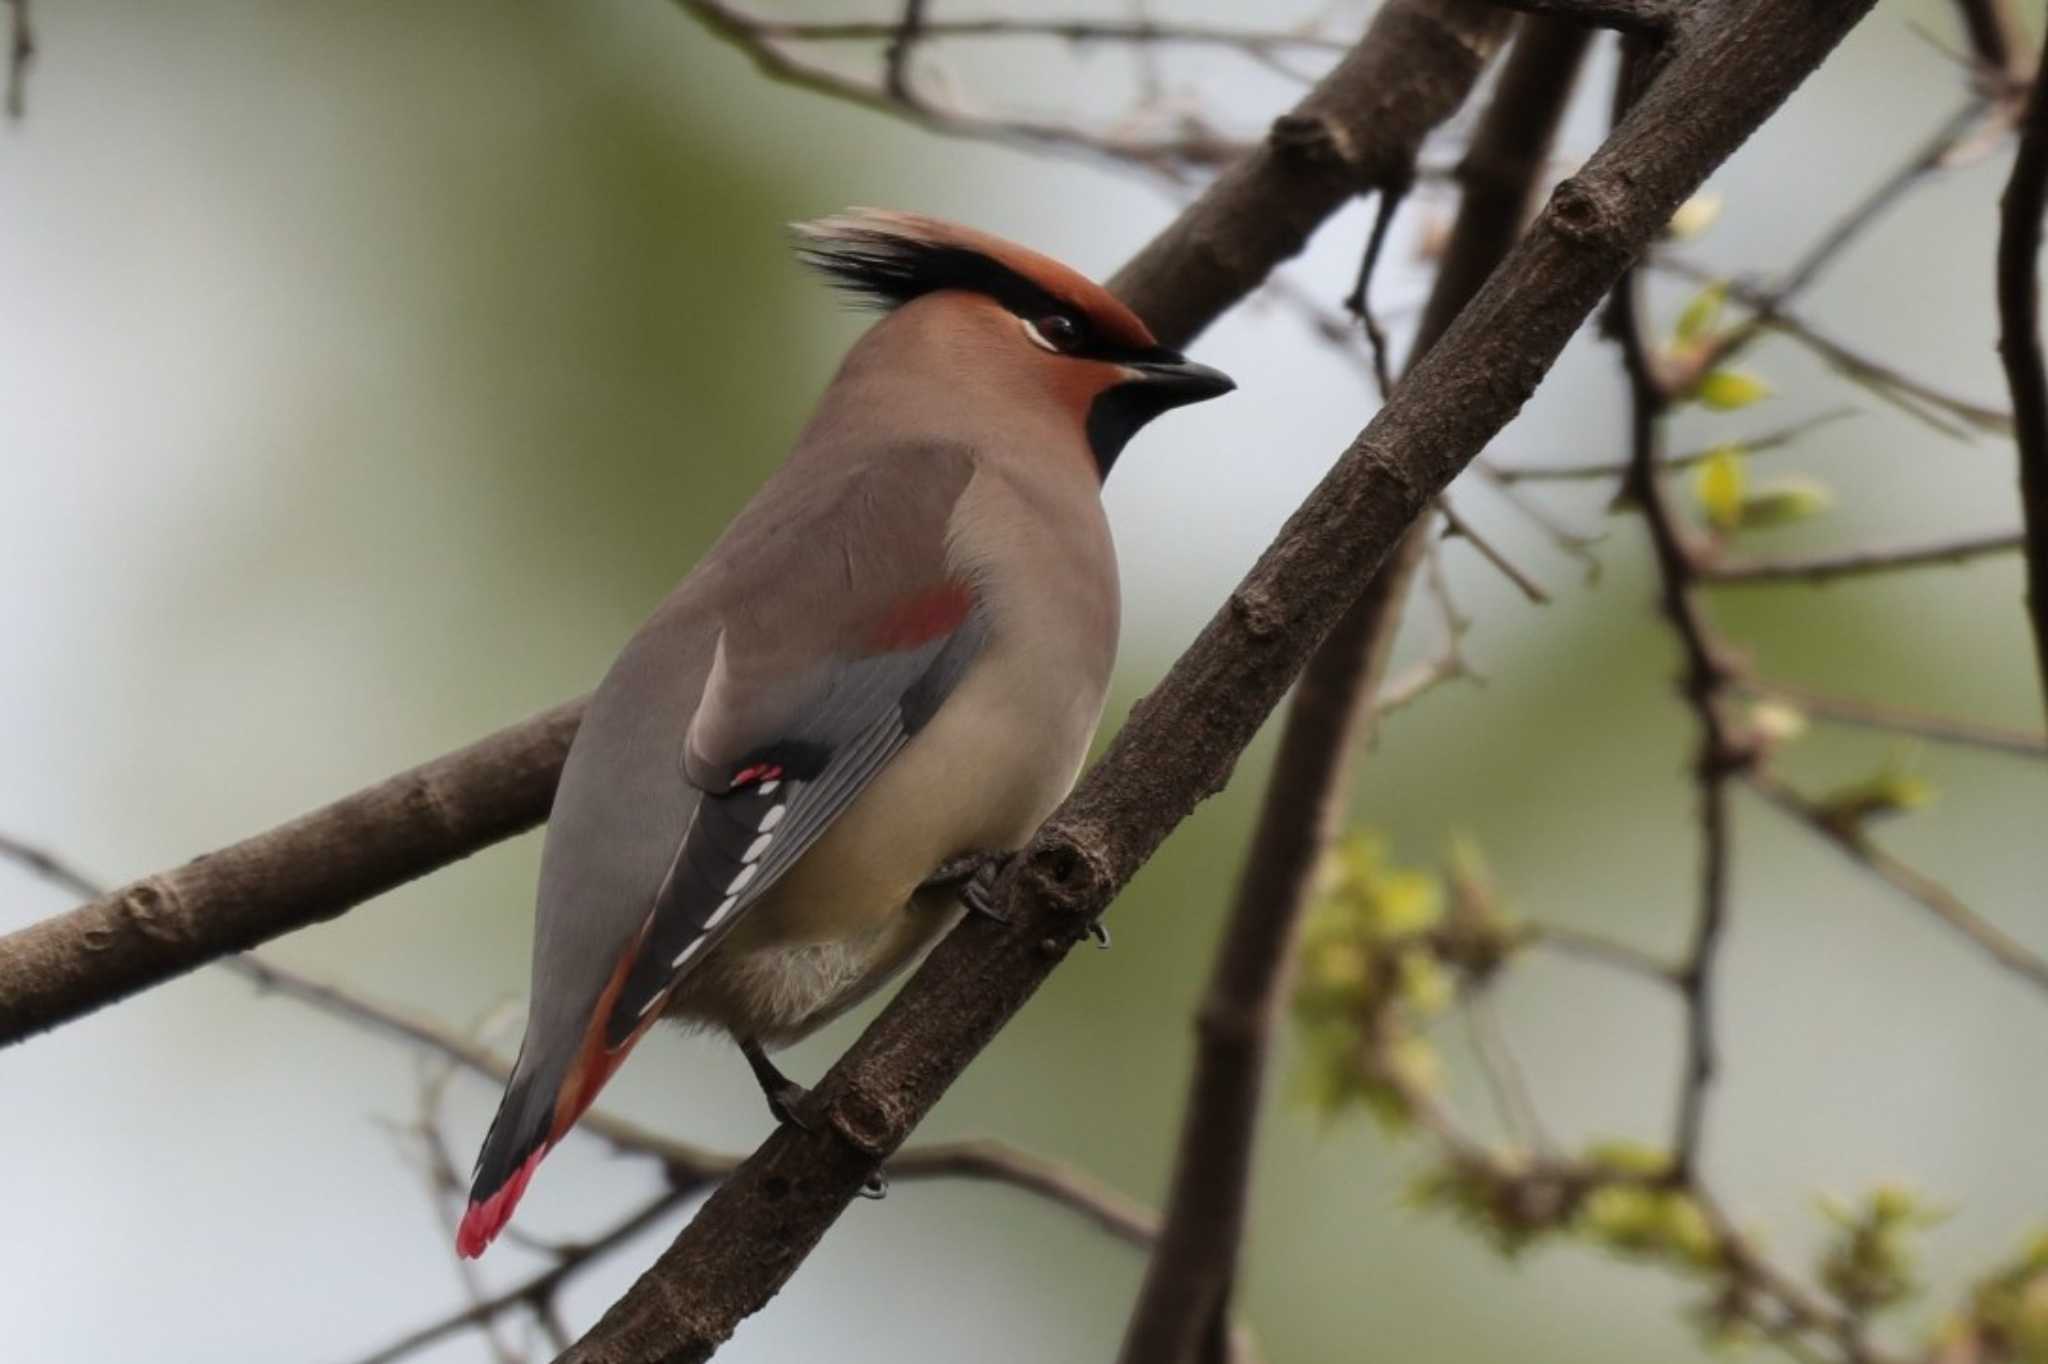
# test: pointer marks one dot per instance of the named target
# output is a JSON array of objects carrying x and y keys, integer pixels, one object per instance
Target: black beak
[
  {"x": 1173, "y": 380},
  {"x": 1160, "y": 380}
]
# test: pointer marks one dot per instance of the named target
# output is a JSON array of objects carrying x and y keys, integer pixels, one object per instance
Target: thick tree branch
[
  {"x": 317, "y": 866},
  {"x": 1185, "y": 1297},
  {"x": 1358, "y": 130},
  {"x": 2019, "y": 345},
  {"x": 1411, "y": 70},
  {"x": 1730, "y": 74}
]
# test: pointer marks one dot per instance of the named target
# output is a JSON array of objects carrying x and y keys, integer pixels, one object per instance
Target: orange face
[{"x": 1094, "y": 356}]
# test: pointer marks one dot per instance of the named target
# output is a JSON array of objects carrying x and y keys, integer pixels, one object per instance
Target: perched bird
[{"x": 878, "y": 682}]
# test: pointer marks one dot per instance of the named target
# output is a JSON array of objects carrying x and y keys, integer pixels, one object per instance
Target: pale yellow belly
[{"x": 991, "y": 765}]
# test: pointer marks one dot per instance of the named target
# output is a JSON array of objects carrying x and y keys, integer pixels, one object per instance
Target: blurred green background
[{"x": 368, "y": 370}]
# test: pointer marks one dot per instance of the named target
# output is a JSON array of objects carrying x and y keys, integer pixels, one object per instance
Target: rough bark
[
  {"x": 1731, "y": 65},
  {"x": 313, "y": 868},
  {"x": 1411, "y": 70},
  {"x": 1185, "y": 1298}
]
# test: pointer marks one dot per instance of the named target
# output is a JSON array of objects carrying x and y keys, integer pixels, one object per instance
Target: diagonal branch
[
  {"x": 2019, "y": 345},
  {"x": 1185, "y": 1297},
  {"x": 1730, "y": 74},
  {"x": 1999, "y": 945}
]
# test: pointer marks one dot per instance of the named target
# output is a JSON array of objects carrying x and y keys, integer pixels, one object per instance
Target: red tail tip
[{"x": 483, "y": 1221}]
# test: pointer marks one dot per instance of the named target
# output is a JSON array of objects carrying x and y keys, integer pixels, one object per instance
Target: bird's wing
[
  {"x": 821, "y": 634},
  {"x": 781, "y": 753}
]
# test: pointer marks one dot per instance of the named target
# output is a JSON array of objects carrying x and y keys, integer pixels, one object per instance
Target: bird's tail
[
  {"x": 550, "y": 1090},
  {"x": 520, "y": 1135}
]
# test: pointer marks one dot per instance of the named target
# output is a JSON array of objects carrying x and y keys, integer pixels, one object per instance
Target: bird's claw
[
  {"x": 787, "y": 1099},
  {"x": 973, "y": 877},
  {"x": 1100, "y": 934},
  {"x": 876, "y": 1186}
]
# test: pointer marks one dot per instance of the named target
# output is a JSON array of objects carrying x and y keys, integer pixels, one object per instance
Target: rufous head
[{"x": 1060, "y": 334}]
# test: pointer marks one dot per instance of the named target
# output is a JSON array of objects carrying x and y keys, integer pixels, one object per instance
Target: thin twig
[
  {"x": 1999, "y": 945},
  {"x": 896, "y": 60},
  {"x": 1931, "y": 156},
  {"x": 1943, "y": 411},
  {"x": 1719, "y": 754},
  {"x": 1605, "y": 951},
  {"x": 21, "y": 52},
  {"x": 1171, "y": 155},
  {"x": 1359, "y": 301},
  {"x": 1137, "y": 33},
  {"x": 1460, "y": 527},
  {"x": 2019, "y": 345},
  {"x": 1826, "y": 568},
  {"x": 1849, "y": 710},
  {"x": 1773, "y": 439},
  {"x": 540, "y": 1288}
]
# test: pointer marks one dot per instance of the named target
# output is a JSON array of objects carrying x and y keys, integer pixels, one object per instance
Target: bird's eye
[{"x": 1056, "y": 332}]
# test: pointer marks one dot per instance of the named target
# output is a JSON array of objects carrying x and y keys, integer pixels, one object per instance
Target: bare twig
[
  {"x": 21, "y": 51},
  {"x": 1942, "y": 411},
  {"x": 1719, "y": 755},
  {"x": 1605, "y": 951},
  {"x": 1776, "y": 438},
  {"x": 537, "y": 1292},
  {"x": 1826, "y": 568},
  {"x": 1931, "y": 156},
  {"x": 896, "y": 60},
  {"x": 2019, "y": 345},
  {"x": 1848, "y": 710},
  {"x": 2000, "y": 946},
  {"x": 1359, "y": 301},
  {"x": 888, "y": 93},
  {"x": 1458, "y": 526},
  {"x": 1136, "y": 33},
  {"x": 1999, "y": 44}
]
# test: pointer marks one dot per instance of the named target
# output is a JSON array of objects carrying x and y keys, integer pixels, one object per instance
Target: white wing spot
[
  {"x": 756, "y": 848},
  {"x": 768, "y": 787},
  {"x": 648, "y": 1007},
  {"x": 773, "y": 817},
  {"x": 739, "y": 883},
  {"x": 724, "y": 908}
]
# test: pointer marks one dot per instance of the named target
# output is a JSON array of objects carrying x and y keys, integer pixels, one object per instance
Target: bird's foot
[
  {"x": 876, "y": 1187},
  {"x": 1100, "y": 934},
  {"x": 974, "y": 878},
  {"x": 787, "y": 1099}
]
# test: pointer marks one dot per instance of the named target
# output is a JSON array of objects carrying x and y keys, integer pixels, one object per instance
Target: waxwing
[{"x": 880, "y": 679}]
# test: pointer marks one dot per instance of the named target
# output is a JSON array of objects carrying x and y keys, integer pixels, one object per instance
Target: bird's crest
[{"x": 888, "y": 259}]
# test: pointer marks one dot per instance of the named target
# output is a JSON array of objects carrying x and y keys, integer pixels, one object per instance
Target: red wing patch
[{"x": 922, "y": 617}]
